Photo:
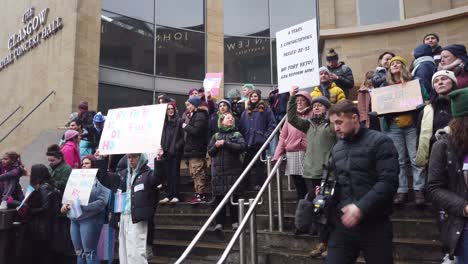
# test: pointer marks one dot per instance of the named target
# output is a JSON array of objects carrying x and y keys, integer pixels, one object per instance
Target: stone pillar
[{"x": 215, "y": 38}]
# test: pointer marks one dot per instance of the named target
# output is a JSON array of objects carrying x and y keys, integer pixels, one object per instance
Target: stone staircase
[{"x": 415, "y": 233}]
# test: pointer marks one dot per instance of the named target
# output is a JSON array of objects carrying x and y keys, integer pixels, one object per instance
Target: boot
[
  {"x": 419, "y": 198},
  {"x": 317, "y": 252},
  {"x": 400, "y": 198}
]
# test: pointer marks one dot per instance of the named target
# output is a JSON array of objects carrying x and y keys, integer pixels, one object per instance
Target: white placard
[
  {"x": 79, "y": 186},
  {"x": 133, "y": 130},
  {"x": 297, "y": 56}
]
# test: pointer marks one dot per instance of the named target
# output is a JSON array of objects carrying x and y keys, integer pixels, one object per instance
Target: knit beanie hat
[
  {"x": 431, "y": 34},
  {"x": 323, "y": 68},
  {"x": 69, "y": 134},
  {"x": 459, "y": 102},
  {"x": 332, "y": 55},
  {"x": 233, "y": 94},
  {"x": 84, "y": 105},
  {"x": 99, "y": 118},
  {"x": 422, "y": 50},
  {"x": 398, "y": 58},
  {"x": 195, "y": 101},
  {"x": 226, "y": 102},
  {"x": 458, "y": 51},
  {"x": 249, "y": 86},
  {"x": 322, "y": 100},
  {"x": 449, "y": 74}
]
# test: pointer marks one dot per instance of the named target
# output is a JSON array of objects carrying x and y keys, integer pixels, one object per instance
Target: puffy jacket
[
  {"x": 9, "y": 178},
  {"x": 60, "y": 174},
  {"x": 144, "y": 194},
  {"x": 366, "y": 167},
  {"x": 172, "y": 139},
  {"x": 97, "y": 203},
  {"x": 380, "y": 77},
  {"x": 43, "y": 205},
  {"x": 226, "y": 163},
  {"x": 446, "y": 189},
  {"x": 424, "y": 66},
  {"x": 292, "y": 139},
  {"x": 320, "y": 140},
  {"x": 278, "y": 103},
  {"x": 345, "y": 76},
  {"x": 336, "y": 94},
  {"x": 71, "y": 155},
  {"x": 257, "y": 124},
  {"x": 196, "y": 139}
]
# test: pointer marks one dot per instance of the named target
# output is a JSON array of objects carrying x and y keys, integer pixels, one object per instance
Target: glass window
[
  {"x": 246, "y": 18},
  {"x": 303, "y": 10},
  {"x": 141, "y": 9},
  {"x": 180, "y": 53},
  {"x": 374, "y": 12},
  {"x": 181, "y": 14},
  {"x": 111, "y": 96},
  {"x": 274, "y": 62},
  {"x": 126, "y": 43},
  {"x": 247, "y": 60}
]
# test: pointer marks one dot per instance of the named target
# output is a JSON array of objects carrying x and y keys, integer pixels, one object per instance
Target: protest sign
[
  {"x": 79, "y": 186},
  {"x": 212, "y": 83},
  {"x": 396, "y": 98},
  {"x": 297, "y": 53},
  {"x": 133, "y": 130}
]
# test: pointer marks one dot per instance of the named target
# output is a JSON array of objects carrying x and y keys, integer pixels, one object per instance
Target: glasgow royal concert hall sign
[{"x": 35, "y": 30}]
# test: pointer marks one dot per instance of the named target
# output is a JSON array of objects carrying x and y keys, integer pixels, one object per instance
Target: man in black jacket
[{"x": 366, "y": 167}]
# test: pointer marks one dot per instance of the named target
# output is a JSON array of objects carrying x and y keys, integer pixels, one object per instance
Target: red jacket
[{"x": 71, "y": 155}]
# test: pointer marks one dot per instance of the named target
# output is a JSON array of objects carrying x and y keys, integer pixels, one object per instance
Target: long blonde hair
[{"x": 405, "y": 75}]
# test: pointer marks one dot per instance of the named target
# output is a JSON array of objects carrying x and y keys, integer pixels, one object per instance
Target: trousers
[{"x": 132, "y": 241}]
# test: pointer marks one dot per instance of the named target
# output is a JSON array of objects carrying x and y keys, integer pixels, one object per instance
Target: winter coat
[
  {"x": 86, "y": 119},
  {"x": 9, "y": 180},
  {"x": 196, "y": 129},
  {"x": 364, "y": 104},
  {"x": 226, "y": 163},
  {"x": 278, "y": 103},
  {"x": 424, "y": 67},
  {"x": 143, "y": 196},
  {"x": 380, "y": 77},
  {"x": 367, "y": 169},
  {"x": 436, "y": 54},
  {"x": 97, "y": 203},
  {"x": 213, "y": 125},
  {"x": 172, "y": 139},
  {"x": 345, "y": 76},
  {"x": 42, "y": 205},
  {"x": 292, "y": 139},
  {"x": 446, "y": 189},
  {"x": 60, "y": 174},
  {"x": 257, "y": 124},
  {"x": 71, "y": 154},
  {"x": 435, "y": 116},
  {"x": 335, "y": 93},
  {"x": 320, "y": 140}
]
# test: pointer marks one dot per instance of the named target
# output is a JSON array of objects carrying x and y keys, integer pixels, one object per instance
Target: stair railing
[
  {"x": 229, "y": 194},
  {"x": 26, "y": 116},
  {"x": 10, "y": 115}
]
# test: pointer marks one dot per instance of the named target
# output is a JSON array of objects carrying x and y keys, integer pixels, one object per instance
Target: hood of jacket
[
  {"x": 422, "y": 50},
  {"x": 141, "y": 163}
]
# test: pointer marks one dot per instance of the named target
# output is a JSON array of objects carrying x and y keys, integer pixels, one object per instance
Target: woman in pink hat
[{"x": 70, "y": 149}]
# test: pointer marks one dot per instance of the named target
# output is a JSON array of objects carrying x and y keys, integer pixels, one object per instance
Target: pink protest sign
[{"x": 212, "y": 83}]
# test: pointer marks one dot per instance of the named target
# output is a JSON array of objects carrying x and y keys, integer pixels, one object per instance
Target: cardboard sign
[
  {"x": 212, "y": 83},
  {"x": 133, "y": 130},
  {"x": 396, "y": 98},
  {"x": 79, "y": 186},
  {"x": 297, "y": 53}
]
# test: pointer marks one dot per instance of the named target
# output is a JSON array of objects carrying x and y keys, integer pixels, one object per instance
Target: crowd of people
[{"x": 365, "y": 153}]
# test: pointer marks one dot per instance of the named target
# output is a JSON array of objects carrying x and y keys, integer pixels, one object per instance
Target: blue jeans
[
  {"x": 405, "y": 143},
  {"x": 85, "y": 237},
  {"x": 462, "y": 248}
]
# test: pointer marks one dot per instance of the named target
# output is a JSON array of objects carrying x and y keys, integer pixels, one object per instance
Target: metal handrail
[
  {"x": 228, "y": 195},
  {"x": 26, "y": 116},
  {"x": 11, "y": 114},
  {"x": 249, "y": 216}
]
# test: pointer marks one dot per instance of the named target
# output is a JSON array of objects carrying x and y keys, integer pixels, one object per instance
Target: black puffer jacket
[
  {"x": 226, "y": 164},
  {"x": 43, "y": 205},
  {"x": 367, "y": 172},
  {"x": 195, "y": 138},
  {"x": 144, "y": 193},
  {"x": 172, "y": 139},
  {"x": 345, "y": 74},
  {"x": 446, "y": 188}
]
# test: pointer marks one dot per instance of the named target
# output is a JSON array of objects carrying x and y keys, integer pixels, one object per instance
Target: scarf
[
  {"x": 318, "y": 119},
  {"x": 419, "y": 61},
  {"x": 451, "y": 66},
  {"x": 324, "y": 89}
]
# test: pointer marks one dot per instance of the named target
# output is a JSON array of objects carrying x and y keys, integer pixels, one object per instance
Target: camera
[{"x": 324, "y": 198}]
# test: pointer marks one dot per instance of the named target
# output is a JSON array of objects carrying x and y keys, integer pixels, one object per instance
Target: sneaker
[
  {"x": 218, "y": 227},
  {"x": 324, "y": 254},
  {"x": 400, "y": 198},
  {"x": 317, "y": 252},
  {"x": 419, "y": 198},
  {"x": 159, "y": 186},
  {"x": 198, "y": 199},
  {"x": 235, "y": 226},
  {"x": 174, "y": 200},
  {"x": 164, "y": 201},
  {"x": 447, "y": 260},
  {"x": 149, "y": 251}
]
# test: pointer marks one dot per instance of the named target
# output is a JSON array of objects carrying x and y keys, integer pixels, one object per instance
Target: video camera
[{"x": 323, "y": 200}]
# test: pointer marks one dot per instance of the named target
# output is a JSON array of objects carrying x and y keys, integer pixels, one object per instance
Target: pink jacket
[
  {"x": 71, "y": 155},
  {"x": 291, "y": 139}
]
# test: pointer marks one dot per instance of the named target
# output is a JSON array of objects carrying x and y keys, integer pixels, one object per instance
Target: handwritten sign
[
  {"x": 297, "y": 54},
  {"x": 396, "y": 98},
  {"x": 133, "y": 130},
  {"x": 79, "y": 186},
  {"x": 212, "y": 83}
]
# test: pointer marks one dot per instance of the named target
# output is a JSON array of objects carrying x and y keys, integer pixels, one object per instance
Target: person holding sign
[
  {"x": 448, "y": 178},
  {"x": 135, "y": 204},
  {"x": 87, "y": 221},
  {"x": 328, "y": 88},
  {"x": 400, "y": 127}
]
